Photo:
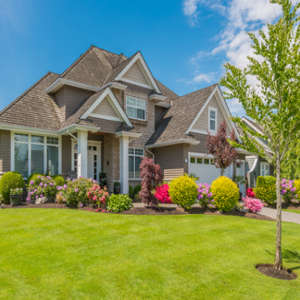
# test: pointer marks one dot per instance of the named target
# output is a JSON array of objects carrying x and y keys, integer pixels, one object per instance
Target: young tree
[
  {"x": 151, "y": 177},
  {"x": 218, "y": 145},
  {"x": 274, "y": 102}
]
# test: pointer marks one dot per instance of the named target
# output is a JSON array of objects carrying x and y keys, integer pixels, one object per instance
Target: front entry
[{"x": 94, "y": 159}]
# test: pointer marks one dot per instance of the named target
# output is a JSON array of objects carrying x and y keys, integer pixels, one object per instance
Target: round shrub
[
  {"x": 297, "y": 186},
  {"x": 119, "y": 203},
  {"x": 266, "y": 189},
  {"x": 35, "y": 178},
  {"x": 183, "y": 191},
  {"x": 8, "y": 181},
  {"x": 59, "y": 180},
  {"x": 225, "y": 193}
]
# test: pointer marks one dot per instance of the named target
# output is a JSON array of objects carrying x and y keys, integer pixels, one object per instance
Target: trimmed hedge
[
  {"x": 266, "y": 189},
  {"x": 183, "y": 191},
  {"x": 119, "y": 203},
  {"x": 226, "y": 193},
  {"x": 8, "y": 181}
]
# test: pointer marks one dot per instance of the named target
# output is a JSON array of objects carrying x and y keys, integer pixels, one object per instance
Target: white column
[
  {"x": 82, "y": 162},
  {"x": 124, "y": 142}
]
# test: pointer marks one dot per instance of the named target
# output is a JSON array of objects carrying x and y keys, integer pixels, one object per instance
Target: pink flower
[{"x": 253, "y": 204}]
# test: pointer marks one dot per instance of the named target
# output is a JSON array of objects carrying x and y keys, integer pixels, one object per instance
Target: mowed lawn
[
  {"x": 69, "y": 254},
  {"x": 297, "y": 211}
]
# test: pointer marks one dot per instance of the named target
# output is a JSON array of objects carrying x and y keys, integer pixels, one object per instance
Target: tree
[
  {"x": 274, "y": 102},
  {"x": 291, "y": 166},
  {"x": 151, "y": 177},
  {"x": 218, "y": 145}
]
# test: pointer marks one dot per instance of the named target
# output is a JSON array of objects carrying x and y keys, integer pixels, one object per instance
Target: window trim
[
  {"x": 140, "y": 99},
  {"x": 263, "y": 165},
  {"x": 134, "y": 155},
  {"x": 210, "y": 108},
  {"x": 12, "y": 149}
]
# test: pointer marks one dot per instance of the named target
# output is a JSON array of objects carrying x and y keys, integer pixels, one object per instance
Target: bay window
[
  {"x": 135, "y": 156},
  {"x": 136, "y": 108},
  {"x": 35, "y": 154}
]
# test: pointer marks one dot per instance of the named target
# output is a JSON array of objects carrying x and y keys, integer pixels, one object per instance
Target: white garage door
[{"x": 204, "y": 168}]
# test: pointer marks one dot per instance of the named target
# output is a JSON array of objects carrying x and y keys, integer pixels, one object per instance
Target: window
[
  {"x": 264, "y": 169},
  {"x": 136, "y": 108},
  {"x": 35, "y": 154},
  {"x": 206, "y": 161},
  {"x": 199, "y": 160},
  {"x": 134, "y": 160},
  {"x": 192, "y": 160},
  {"x": 212, "y": 121}
]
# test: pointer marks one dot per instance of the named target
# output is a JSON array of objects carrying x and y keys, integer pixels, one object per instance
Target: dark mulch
[
  {"x": 268, "y": 269},
  {"x": 152, "y": 210}
]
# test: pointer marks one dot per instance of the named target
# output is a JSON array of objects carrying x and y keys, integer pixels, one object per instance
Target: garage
[{"x": 203, "y": 166}]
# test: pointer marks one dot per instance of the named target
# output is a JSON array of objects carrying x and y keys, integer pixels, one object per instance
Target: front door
[{"x": 94, "y": 160}]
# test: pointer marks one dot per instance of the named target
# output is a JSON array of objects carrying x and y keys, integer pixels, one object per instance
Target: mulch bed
[
  {"x": 268, "y": 269},
  {"x": 153, "y": 211}
]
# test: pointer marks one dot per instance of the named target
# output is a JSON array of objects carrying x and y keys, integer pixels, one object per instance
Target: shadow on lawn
[{"x": 290, "y": 256}]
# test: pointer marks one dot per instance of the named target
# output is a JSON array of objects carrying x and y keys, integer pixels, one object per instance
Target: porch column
[
  {"x": 124, "y": 142},
  {"x": 82, "y": 137}
]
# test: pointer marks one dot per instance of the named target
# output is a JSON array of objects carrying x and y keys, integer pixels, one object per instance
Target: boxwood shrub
[
  {"x": 183, "y": 191},
  {"x": 225, "y": 193},
  {"x": 266, "y": 189},
  {"x": 119, "y": 203},
  {"x": 8, "y": 181}
]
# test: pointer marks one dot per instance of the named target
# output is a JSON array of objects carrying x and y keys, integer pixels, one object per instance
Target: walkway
[{"x": 286, "y": 216}]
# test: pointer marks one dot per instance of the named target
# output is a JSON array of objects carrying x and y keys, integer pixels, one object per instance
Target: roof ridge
[
  {"x": 118, "y": 54},
  {"x": 79, "y": 59},
  {"x": 197, "y": 91},
  {"x": 26, "y": 92}
]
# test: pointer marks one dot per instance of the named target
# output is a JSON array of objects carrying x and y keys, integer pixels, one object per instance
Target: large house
[{"x": 103, "y": 114}]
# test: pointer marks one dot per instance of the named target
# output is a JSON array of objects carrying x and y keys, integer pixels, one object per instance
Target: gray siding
[{"x": 4, "y": 151}]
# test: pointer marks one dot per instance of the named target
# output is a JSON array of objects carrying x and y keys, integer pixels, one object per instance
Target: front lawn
[
  {"x": 71, "y": 254},
  {"x": 293, "y": 210}
]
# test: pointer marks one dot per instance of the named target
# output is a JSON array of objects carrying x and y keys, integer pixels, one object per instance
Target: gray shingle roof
[{"x": 179, "y": 117}]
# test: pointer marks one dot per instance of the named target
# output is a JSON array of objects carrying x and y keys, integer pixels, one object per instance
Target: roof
[
  {"x": 37, "y": 109},
  {"x": 177, "y": 120}
]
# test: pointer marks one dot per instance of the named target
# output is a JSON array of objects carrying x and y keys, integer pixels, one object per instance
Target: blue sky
[{"x": 185, "y": 42}]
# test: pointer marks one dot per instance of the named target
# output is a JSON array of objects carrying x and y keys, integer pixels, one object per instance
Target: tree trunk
[
  {"x": 222, "y": 172},
  {"x": 278, "y": 256}
]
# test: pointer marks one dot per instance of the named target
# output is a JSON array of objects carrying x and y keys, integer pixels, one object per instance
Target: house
[
  {"x": 257, "y": 166},
  {"x": 103, "y": 114}
]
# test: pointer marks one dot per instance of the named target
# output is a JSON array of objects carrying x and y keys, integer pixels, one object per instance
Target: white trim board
[
  {"x": 138, "y": 57},
  {"x": 115, "y": 105}
]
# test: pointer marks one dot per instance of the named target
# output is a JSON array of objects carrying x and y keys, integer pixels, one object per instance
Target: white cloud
[{"x": 207, "y": 77}]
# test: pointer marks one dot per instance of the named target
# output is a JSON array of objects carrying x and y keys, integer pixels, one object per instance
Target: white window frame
[
  {"x": 263, "y": 167},
  {"x": 134, "y": 155},
  {"x": 45, "y": 144},
  {"x": 209, "y": 119},
  {"x": 138, "y": 99}
]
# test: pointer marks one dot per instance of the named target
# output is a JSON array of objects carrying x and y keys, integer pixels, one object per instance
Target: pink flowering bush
[
  {"x": 98, "y": 196},
  {"x": 41, "y": 190},
  {"x": 252, "y": 204},
  {"x": 162, "y": 194},
  {"x": 288, "y": 191},
  {"x": 74, "y": 192},
  {"x": 250, "y": 193},
  {"x": 205, "y": 196}
]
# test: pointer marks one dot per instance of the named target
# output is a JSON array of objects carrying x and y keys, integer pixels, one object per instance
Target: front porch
[{"x": 93, "y": 153}]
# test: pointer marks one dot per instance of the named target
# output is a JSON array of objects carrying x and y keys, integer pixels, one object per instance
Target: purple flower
[
  {"x": 65, "y": 186},
  {"x": 41, "y": 184},
  {"x": 76, "y": 190},
  {"x": 31, "y": 182}
]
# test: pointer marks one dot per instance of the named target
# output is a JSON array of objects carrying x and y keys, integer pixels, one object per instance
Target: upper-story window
[
  {"x": 264, "y": 169},
  {"x": 212, "y": 119},
  {"x": 136, "y": 108}
]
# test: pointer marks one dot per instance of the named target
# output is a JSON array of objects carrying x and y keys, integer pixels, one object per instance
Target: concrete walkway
[{"x": 286, "y": 216}]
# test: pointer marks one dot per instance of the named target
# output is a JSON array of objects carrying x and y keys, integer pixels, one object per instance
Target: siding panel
[{"x": 4, "y": 151}]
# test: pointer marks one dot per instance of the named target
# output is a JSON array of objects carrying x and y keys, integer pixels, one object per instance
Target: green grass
[
  {"x": 293, "y": 210},
  {"x": 69, "y": 254}
]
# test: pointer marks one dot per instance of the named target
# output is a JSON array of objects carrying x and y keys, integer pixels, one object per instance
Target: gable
[
  {"x": 106, "y": 110},
  {"x": 136, "y": 74},
  {"x": 202, "y": 123}
]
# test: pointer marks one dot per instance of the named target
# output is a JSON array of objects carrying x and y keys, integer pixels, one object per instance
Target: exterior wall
[
  {"x": 66, "y": 155},
  {"x": 170, "y": 157},
  {"x": 202, "y": 123},
  {"x": 105, "y": 108},
  {"x": 69, "y": 99},
  {"x": 4, "y": 151},
  {"x": 135, "y": 74}
]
